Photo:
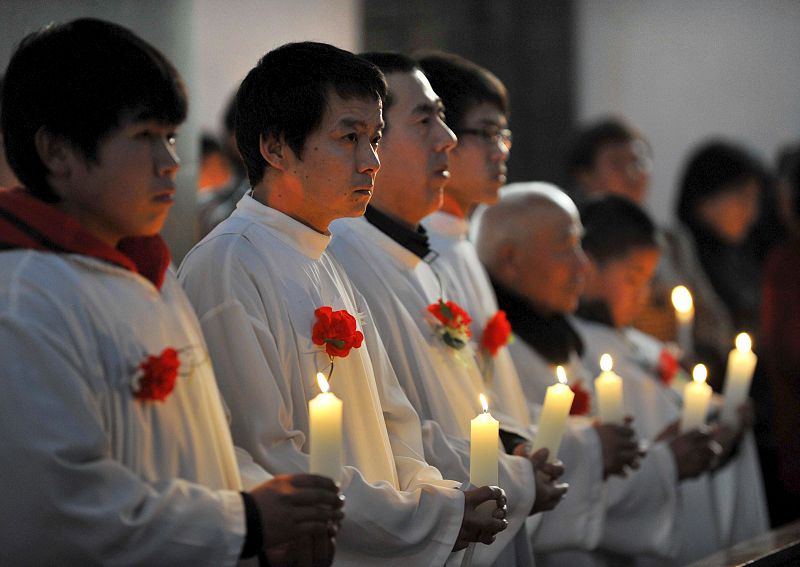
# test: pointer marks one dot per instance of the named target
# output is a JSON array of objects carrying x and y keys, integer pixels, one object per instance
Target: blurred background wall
[{"x": 679, "y": 71}]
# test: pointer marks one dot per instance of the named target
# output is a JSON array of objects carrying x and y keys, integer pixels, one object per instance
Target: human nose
[
  {"x": 368, "y": 160},
  {"x": 446, "y": 139},
  {"x": 500, "y": 148},
  {"x": 167, "y": 160}
]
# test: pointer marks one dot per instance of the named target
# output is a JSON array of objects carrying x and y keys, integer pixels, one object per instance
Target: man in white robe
[
  {"x": 476, "y": 103},
  {"x": 537, "y": 224},
  {"x": 718, "y": 508},
  {"x": 113, "y": 437},
  {"x": 308, "y": 141},
  {"x": 382, "y": 253}
]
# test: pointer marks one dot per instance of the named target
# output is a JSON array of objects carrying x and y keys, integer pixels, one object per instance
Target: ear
[
  {"x": 507, "y": 261},
  {"x": 55, "y": 152},
  {"x": 275, "y": 151}
]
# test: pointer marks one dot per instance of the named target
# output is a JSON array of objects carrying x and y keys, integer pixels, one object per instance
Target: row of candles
[{"x": 325, "y": 414}]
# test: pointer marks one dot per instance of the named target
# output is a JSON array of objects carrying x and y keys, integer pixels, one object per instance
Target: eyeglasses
[{"x": 490, "y": 135}]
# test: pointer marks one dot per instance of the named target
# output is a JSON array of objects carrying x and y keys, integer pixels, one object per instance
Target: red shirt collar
[{"x": 29, "y": 223}]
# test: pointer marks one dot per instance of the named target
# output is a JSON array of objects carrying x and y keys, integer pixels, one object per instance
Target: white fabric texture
[
  {"x": 92, "y": 475},
  {"x": 256, "y": 281},
  {"x": 443, "y": 384}
]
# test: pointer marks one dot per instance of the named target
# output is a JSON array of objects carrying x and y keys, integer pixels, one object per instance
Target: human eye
[
  {"x": 376, "y": 140},
  {"x": 350, "y": 137}
]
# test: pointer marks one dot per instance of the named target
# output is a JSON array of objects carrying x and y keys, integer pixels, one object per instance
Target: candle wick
[{"x": 330, "y": 374}]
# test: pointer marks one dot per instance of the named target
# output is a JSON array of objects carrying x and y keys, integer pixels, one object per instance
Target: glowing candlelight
[
  {"x": 608, "y": 387},
  {"x": 557, "y": 402},
  {"x": 741, "y": 364},
  {"x": 684, "y": 314},
  {"x": 485, "y": 432},
  {"x": 696, "y": 397},
  {"x": 325, "y": 432}
]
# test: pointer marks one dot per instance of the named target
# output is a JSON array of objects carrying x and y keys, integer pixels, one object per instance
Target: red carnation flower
[
  {"x": 582, "y": 403},
  {"x": 157, "y": 376},
  {"x": 454, "y": 321},
  {"x": 667, "y": 367},
  {"x": 336, "y": 330},
  {"x": 496, "y": 334}
]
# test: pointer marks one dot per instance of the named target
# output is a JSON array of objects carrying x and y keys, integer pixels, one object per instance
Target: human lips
[
  {"x": 442, "y": 171},
  {"x": 165, "y": 195}
]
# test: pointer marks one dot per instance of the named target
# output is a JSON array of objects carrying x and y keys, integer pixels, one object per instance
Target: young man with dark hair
[
  {"x": 715, "y": 510},
  {"x": 113, "y": 436},
  {"x": 308, "y": 125}
]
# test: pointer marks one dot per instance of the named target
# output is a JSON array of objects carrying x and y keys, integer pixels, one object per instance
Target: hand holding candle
[
  {"x": 684, "y": 314},
  {"x": 553, "y": 419},
  {"x": 608, "y": 387},
  {"x": 485, "y": 432},
  {"x": 741, "y": 364},
  {"x": 325, "y": 432},
  {"x": 696, "y": 398}
]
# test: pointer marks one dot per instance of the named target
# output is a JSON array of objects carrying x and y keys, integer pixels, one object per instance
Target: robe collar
[
  {"x": 415, "y": 241},
  {"x": 553, "y": 337},
  {"x": 28, "y": 223},
  {"x": 447, "y": 225},
  {"x": 302, "y": 238},
  {"x": 596, "y": 311}
]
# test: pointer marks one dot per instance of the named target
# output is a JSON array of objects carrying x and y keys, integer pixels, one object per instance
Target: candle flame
[
  {"x": 484, "y": 403},
  {"x": 606, "y": 362},
  {"x": 743, "y": 342},
  {"x": 323, "y": 383},
  {"x": 700, "y": 373},
  {"x": 682, "y": 299},
  {"x": 561, "y": 374}
]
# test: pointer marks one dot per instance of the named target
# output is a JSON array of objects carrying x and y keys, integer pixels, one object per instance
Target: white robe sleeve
[
  {"x": 65, "y": 496},
  {"x": 380, "y": 522}
]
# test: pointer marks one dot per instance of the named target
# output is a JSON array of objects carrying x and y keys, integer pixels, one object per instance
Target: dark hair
[
  {"x": 717, "y": 166},
  {"x": 80, "y": 81},
  {"x": 614, "y": 226},
  {"x": 462, "y": 85},
  {"x": 390, "y": 62},
  {"x": 586, "y": 143},
  {"x": 286, "y": 95},
  {"x": 790, "y": 171}
]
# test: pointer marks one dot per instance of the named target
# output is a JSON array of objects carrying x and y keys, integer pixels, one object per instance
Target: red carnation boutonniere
[
  {"x": 453, "y": 323},
  {"x": 337, "y": 332},
  {"x": 582, "y": 403},
  {"x": 155, "y": 376},
  {"x": 668, "y": 367},
  {"x": 496, "y": 334}
]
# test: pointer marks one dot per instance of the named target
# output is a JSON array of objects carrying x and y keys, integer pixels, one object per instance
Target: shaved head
[{"x": 530, "y": 242}]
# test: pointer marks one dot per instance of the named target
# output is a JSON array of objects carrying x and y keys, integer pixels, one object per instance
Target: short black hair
[
  {"x": 715, "y": 167},
  {"x": 286, "y": 95},
  {"x": 462, "y": 85},
  {"x": 390, "y": 62},
  {"x": 614, "y": 226},
  {"x": 80, "y": 80},
  {"x": 581, "y": 153}
]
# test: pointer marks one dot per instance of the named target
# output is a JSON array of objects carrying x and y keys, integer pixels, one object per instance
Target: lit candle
[
  {"x": 741, "y": 364},
  {"x": 555, "y": 411},
  {"x": 325, "y": 432},
  {"x": 696, "y": 397},
  {"x": 608, "y": 387},
  {"x": 485, "y": 432},
  {"x": 684, "y": 314}
]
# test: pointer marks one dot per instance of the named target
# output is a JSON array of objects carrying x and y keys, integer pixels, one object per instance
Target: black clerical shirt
[{"x": 415, "y": 241}]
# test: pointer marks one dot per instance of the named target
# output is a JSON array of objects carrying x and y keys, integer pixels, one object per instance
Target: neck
[
  {"x": 409, "y": 223},
  {"x": 453, "y": 206},
  {"x": 285, "y": 199}
]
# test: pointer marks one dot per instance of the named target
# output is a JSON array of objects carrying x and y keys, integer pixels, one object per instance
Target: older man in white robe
[{"x": 261, "y": 282}]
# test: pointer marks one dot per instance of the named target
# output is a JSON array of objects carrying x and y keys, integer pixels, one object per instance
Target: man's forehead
[
  {"x": 485, "y": 114},
  {"x": 412, "y": 91},
  {"x": 354, "y": 111}
]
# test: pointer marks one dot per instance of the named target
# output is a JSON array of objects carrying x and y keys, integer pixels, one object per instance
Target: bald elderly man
[{"x": 530, "y": 243}]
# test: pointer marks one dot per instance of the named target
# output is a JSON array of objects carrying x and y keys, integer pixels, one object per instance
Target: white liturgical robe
[
  {"x": 577, "y": 522},
  {"x": 92, "y": 475},
  {"x": 255, "y": 282},
  {"x": 442, "y": 383},
  {"x": 715, "y": 510}
]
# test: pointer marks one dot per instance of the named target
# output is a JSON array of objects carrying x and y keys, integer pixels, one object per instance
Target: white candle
[
  {"x": 696, "y": 397},
  {"x": 485, "y": 433},
  {"x": 684, "y": 315},
  {"x": 557, "y": 402},
  {"x": 325, "y": 432},
  {"x": 608, "y": 387},
  {"x": 741, "y": 364}
]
